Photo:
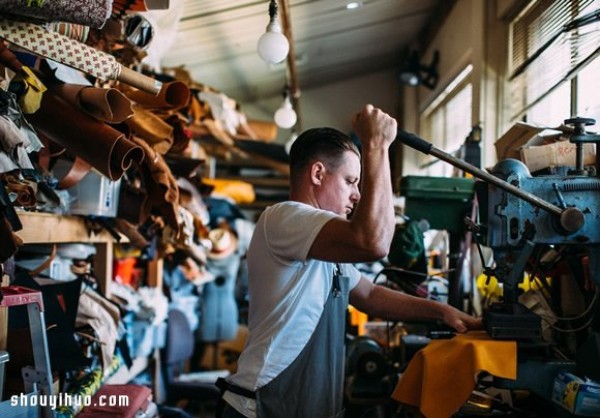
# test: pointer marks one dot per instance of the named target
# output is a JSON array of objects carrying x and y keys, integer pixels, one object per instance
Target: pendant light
[
  {"x": 273, "y": 46},
  {"x": 285, "y": 116}
]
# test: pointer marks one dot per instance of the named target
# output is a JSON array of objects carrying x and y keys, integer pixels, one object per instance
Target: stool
[{"x": 39, "y": 377}]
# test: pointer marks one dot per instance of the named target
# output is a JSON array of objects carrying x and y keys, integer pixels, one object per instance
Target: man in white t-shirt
[{"x": 301, "y": 277}]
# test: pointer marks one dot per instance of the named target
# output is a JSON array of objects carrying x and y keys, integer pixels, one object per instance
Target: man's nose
[{"x": 355, "y": 196}]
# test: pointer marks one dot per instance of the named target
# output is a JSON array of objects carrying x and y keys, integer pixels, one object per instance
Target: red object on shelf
[{"x": 19, "y": 295}]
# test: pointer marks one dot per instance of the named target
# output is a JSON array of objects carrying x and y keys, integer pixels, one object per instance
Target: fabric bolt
[
  {"x": 93, "y": 13},
  {"x": 38, "y": 40},
  {"x": 100, "y": 145},
  {"x": 71, "y": 30},
  {"x": 52, "y": 45},
  {"x": 441, "y": 376},
  {"x": 86, "y": 385}
]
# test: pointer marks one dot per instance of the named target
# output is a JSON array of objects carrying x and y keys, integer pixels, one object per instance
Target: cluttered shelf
[{"x": 47, "y": 228}]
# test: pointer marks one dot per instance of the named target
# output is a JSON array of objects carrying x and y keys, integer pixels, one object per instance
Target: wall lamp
[
  {"x": 413, "y": 73},
  {"x": 273, "y": 46}
]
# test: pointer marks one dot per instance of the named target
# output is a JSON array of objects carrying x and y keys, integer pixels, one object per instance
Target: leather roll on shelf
[
  {"x": 103, "y": 147},
  {"x": 106, "y": 104}
]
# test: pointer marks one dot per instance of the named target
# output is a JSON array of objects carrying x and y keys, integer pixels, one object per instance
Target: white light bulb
[
  {"x": 288, "y": 144},
  {"x": 273, "y": 46},
  {"x": 285, "y": 117}
]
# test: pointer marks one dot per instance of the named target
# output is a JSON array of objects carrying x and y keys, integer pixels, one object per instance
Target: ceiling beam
[{"x": 292, "y": 73}]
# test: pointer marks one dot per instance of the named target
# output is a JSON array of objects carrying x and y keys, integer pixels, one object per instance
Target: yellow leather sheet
[{"x": 442, "y": 375}]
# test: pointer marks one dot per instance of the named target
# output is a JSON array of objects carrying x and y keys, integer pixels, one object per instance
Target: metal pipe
[{"x": 421, "y": 145}]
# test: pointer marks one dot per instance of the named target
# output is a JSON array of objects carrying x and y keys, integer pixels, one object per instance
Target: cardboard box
[
  {"x": 578, "y": 396},
  {"x": 540, "y": 147}
]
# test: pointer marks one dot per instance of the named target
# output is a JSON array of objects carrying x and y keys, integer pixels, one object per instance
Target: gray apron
[{"x": 312, "y": 386}]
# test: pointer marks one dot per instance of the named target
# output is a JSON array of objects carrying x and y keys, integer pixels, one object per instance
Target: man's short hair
[{"x": 326, "y": 144}]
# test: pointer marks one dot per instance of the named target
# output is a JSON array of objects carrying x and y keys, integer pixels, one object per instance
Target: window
[
  {"x": 554, "y": 61},
  {"x": 447, "y": 122},
  {"x": 588, "y": 92}
]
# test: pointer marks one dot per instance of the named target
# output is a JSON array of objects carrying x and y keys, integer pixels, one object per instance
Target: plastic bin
[
  {"x": 93, "y": 195},
  {"x": 442, "y": 201}
]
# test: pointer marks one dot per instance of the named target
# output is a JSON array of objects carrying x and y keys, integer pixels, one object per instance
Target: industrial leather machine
[{"x": 519, "y": 212}]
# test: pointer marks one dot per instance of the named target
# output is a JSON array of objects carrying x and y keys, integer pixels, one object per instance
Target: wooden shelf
[
  {"x": 42, "y": 228},
  {"x": 48, "y": 228}
]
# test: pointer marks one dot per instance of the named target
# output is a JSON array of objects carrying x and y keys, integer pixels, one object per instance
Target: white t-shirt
[{"x": 287, "y": 294}]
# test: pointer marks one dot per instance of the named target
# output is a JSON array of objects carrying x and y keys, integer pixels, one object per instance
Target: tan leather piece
[
  {"x": 172, "y": 95},
  {"x": 261, "y": 130},
  {"x": 108, "y": 105},
  {"x": 23, "y": 191},
  {"x": 151, "y": 128},
  {"x": 77, "y": 171},
  {"x": 161, "y": 186},
  {"x": 100, "y": 145}
]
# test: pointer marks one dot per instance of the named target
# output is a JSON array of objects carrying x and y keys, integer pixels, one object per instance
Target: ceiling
[{"x": 216, "y": 41}]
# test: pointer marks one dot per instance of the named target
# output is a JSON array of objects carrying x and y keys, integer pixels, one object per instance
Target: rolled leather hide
[
  {"x": 100, "y": 145},
  {"x": 172, "y": 95},
  {"x": 106, "y": 104}
]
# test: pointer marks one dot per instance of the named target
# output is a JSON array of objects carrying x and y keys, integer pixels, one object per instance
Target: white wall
[
  {"x": 473, "y": 33},
  {"x": 334, "y": 104}
]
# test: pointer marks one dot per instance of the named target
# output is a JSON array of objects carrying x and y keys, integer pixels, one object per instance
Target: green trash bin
[{"x": 442, "y": 201}]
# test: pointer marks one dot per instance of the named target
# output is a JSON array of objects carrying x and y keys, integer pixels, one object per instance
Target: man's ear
[{"x": 317, "y": 171}]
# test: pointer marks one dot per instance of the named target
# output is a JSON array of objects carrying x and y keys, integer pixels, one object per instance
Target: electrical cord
[
  {"x": 549, "y": 319},
  {"x": 565, "y": 330}
]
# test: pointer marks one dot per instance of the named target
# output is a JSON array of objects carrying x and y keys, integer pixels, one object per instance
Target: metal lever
[{"x": 571, "y": 219}]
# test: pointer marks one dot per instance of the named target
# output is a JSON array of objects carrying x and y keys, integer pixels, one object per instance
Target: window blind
[{"x": 550, "y": 42}]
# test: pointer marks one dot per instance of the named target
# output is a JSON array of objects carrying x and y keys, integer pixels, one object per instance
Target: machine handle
[
  {"x": 414, "y": 141},
  {"x": 571, "y": 219}
]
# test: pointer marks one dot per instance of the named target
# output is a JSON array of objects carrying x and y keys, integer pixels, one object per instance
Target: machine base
[{"x": 511, "y": 321}]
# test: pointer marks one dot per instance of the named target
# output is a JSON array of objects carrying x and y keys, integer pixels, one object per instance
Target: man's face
[{"x": 339, "y": 191}]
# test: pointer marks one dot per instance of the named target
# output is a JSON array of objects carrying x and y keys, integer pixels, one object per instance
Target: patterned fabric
[
  {"x": 60, "y": 48},
  {"x": 81, "y": 391},
  {"x": 86, "y": 386},
  {"x": 92, "y": 13},
  {"x": 71, "y": 30}
]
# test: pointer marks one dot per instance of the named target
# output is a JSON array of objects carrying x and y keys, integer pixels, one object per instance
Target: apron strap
[{"x": 238, "y": 390}]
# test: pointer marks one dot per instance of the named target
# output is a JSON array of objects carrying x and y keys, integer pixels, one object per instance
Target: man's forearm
[
  {"x": 388, "y": 304},
  {"x": 374, "y": 214}
]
